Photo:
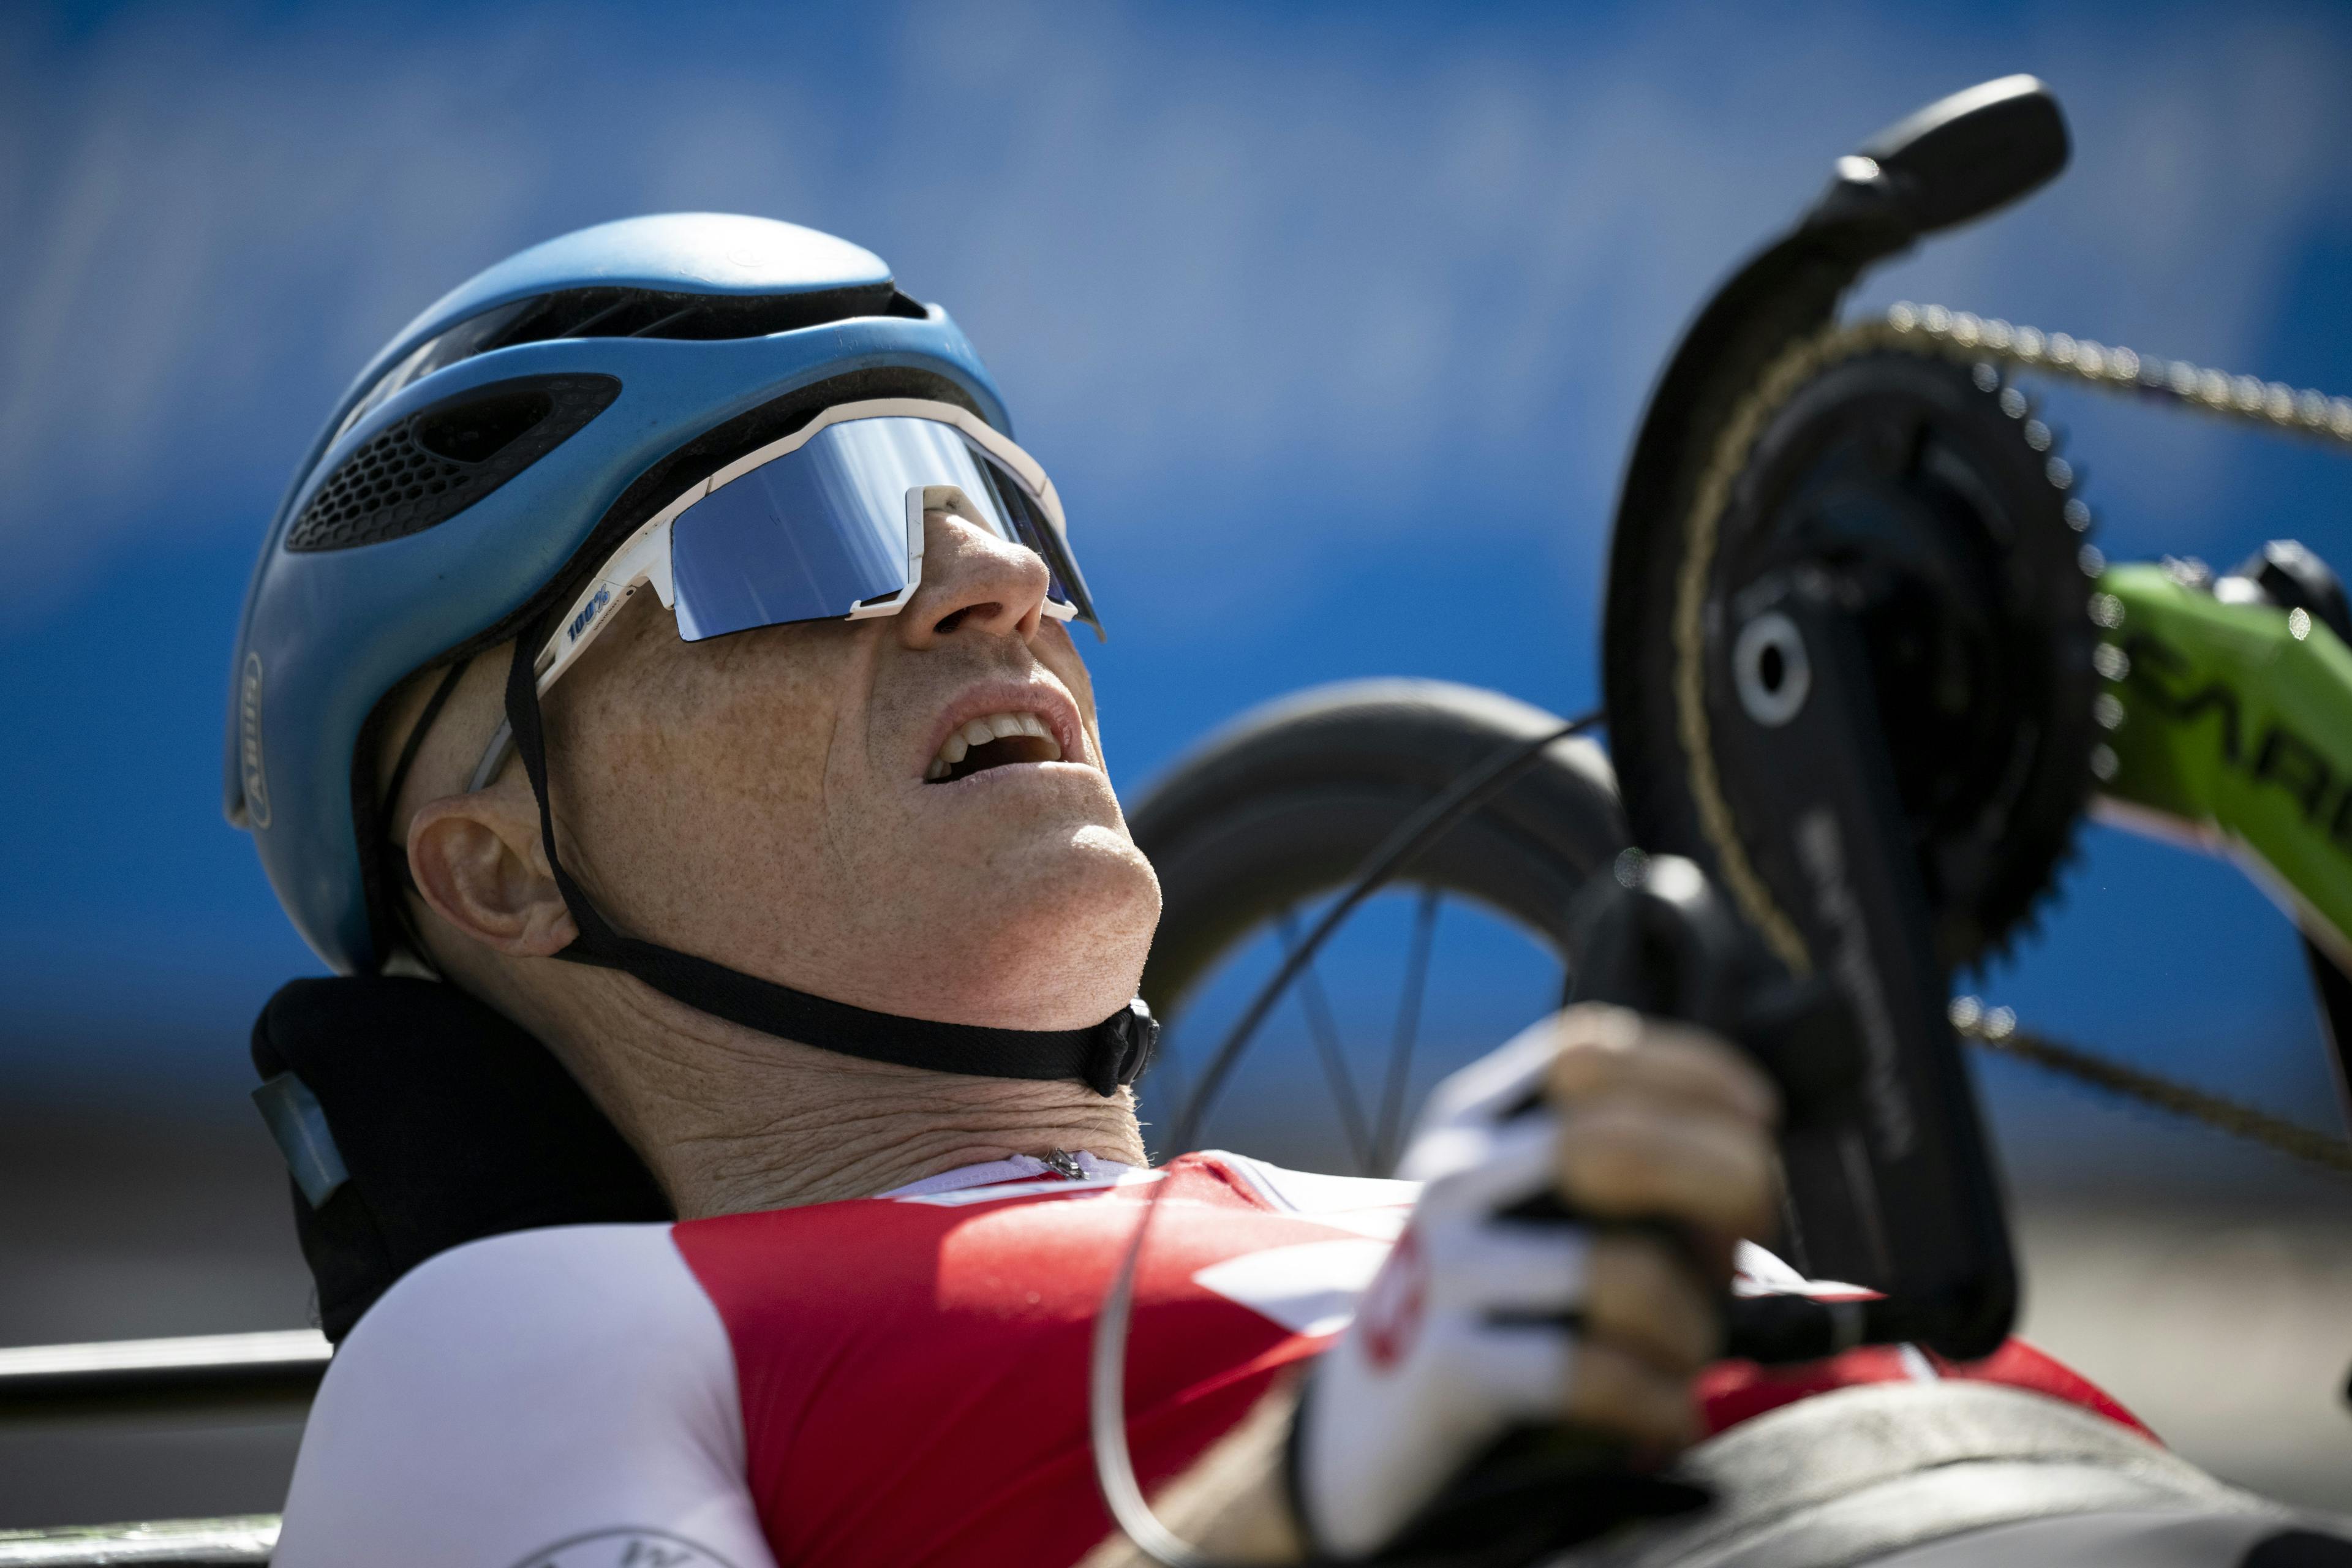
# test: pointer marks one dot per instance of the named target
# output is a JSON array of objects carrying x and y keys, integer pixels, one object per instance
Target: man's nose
[{"x": 972, "y": 579}]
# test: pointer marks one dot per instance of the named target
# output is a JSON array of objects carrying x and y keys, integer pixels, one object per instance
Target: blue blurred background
[{"x": 1332, "y": 321}]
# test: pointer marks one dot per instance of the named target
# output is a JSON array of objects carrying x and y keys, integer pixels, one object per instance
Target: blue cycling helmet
[
  {"x": 500, "y": 437},
  {"x": 473, "y": 478}
]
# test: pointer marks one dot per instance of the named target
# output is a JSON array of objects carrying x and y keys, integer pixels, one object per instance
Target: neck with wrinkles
[{"x": 732, "y": 1121}]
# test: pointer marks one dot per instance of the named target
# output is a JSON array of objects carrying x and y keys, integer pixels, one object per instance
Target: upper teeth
[{"x": 980, "y": 732}]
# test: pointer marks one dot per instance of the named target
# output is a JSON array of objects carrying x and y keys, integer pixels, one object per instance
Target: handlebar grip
[{"x": 1657, "y": 938}]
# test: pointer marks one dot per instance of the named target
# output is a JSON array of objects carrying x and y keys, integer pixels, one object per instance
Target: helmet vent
[
  {"x": 423, "y": 470},
  {"x": 480, "y": 428},
  {"x": 618, "y": 312},
  {"x": 706, "y": 318}
]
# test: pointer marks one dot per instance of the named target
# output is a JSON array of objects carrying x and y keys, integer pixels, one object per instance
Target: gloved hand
[{"x": 1478, "y": 1324}]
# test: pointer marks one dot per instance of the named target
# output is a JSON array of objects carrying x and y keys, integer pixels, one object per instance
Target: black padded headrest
[{"x": 451, "y": 1124}]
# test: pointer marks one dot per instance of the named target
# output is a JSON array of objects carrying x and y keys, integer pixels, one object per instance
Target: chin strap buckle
[{"x": 1121, "y": 1048}]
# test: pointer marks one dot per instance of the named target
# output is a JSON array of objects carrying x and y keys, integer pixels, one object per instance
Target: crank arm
[{"x": 1899, "y": 1193}]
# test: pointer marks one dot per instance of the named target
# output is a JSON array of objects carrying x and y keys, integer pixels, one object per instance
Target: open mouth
[{"x": 992, "y": 741}]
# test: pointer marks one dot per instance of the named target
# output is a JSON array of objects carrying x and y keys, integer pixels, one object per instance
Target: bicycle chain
[
  {"x": 1963, "y": 336},
  {"x": 1984, "y": 343},
  {"x": 1995, "y": 1028}
]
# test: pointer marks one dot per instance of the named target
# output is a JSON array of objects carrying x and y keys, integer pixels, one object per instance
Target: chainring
[{"x": 1926, "y": 494}]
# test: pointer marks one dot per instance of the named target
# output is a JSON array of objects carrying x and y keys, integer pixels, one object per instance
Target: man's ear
[{"x": 479, "y": 862}]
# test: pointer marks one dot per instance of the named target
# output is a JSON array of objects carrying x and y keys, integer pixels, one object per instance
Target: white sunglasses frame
[{"x": 644, "y": 558}]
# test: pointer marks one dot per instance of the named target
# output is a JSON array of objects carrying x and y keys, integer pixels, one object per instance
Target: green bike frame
[{"x": 2235, "y": 734}]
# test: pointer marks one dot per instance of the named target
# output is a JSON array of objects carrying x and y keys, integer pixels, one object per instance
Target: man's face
[{"x": 813, "y": 803}]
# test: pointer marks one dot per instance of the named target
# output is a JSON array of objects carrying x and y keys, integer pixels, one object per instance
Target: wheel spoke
[
  {"x": 1407, "y": 1032},
  {"x": 1320, "y": 1023},
  {"x": 1467, "y": 793}
]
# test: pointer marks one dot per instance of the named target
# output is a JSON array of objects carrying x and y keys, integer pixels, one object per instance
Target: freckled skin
[{"x": 758, "y": 800}]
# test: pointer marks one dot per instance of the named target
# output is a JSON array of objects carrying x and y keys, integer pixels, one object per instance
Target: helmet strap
[{"x": 1111, "y": 1053}]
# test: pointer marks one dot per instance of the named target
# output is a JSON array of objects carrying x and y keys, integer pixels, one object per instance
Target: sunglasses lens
[
  {"x": 811, "y": 535},
  {"x": 824, "y": 529}
]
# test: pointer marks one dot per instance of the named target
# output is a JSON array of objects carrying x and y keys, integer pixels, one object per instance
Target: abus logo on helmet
[
  {"x": 248, "y": 728},
  {"x": 588, "y": 613}
]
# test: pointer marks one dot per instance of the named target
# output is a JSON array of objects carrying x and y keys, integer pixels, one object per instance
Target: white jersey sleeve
[{"x": 561, "y": 1398}]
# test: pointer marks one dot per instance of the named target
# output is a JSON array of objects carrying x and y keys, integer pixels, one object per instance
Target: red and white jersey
[{"x": 898, "y": 1379}]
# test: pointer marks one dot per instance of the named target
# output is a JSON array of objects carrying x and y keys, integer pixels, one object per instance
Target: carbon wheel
[{"x": 1275, "y": 811}]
